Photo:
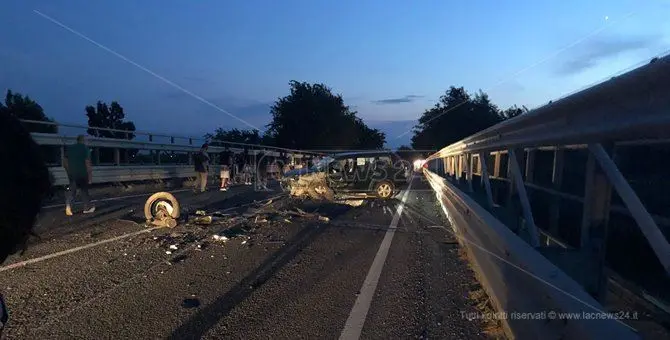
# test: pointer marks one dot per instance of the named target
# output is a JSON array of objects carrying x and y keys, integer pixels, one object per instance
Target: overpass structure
[
  {"x": 553, "y": 207},
  {"x": 543, "y": 205},
  {"x": 149, "y": 156}
]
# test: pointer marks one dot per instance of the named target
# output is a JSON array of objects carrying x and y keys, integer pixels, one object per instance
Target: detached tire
[
  {"x": 384, "y": 189},
  {"x": 164, "y": 199}
]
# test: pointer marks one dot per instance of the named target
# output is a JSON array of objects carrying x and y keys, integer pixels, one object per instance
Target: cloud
[
  {"x": 406, "y": 99},
  {"x": 600, "y": 49}
]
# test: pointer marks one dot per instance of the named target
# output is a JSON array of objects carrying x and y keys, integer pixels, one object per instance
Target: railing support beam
[
  {"x": 647, "y": 225},
  {"x": 517, "y": 178},
  {"x": 595, "y": 221},
  {"x": 556, "y": 182},
  {"x": 485, "y": 178}
]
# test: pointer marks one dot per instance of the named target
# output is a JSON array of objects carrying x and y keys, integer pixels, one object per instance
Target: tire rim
[
  {"x": 162, "y": 203},
  {"x": 384, "y": 190}
]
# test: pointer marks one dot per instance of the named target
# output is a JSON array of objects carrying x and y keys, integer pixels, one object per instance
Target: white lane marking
[
  {"x": 112, "y": 199},
  {"x": 354, "y": 325},
  {"x": 70, "y": 251}
]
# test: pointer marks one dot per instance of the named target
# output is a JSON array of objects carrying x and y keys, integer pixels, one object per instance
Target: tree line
[{"x": 310, "y": 117}]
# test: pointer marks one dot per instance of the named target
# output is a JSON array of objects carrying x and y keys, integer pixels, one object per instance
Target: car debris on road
[{"x": 196, "y": 228}]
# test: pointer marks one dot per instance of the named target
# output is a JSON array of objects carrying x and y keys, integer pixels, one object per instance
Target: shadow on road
[{"x": 208, "y": 317}]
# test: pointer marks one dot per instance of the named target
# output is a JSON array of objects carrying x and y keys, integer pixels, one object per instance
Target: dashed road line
[{"x": 354, "y": 325}]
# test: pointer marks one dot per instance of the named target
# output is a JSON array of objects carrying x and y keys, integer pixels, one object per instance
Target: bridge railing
[
  {"x": 148, "y": 156},
  {"x": 556, "y": 179}
]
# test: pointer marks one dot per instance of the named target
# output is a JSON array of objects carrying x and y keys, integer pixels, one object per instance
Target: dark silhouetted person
[
  {"x": 24, "y": 182},
  {"x": 201, "y": 162},
  {"x": 77, "y": 164}
]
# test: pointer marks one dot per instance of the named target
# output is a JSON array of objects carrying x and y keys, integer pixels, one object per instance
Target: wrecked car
[{"x": 380, "y": 174}]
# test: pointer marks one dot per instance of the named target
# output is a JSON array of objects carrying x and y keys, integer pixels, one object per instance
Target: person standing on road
[
  {"x": 225, "y": 169},
  {"x": 77, "y": 164},
  {"x": 261, "y": 171},
  {"x": 246, "y": 167},
  {"x": 24, "y": 183},
  {"x": 201, "y": 162}
]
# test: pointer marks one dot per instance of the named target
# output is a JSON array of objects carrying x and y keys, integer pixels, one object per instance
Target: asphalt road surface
[{"x": 377, "y": 271}]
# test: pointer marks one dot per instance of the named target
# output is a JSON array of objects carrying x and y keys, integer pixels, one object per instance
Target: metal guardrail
[
  {"x": 519, "y": 279},
  {"x": 172, "y": 138},
  {"x": 120, "y": 172},
  {"x": 631, "y": 109},
  {"x": 113, "y": 174}
]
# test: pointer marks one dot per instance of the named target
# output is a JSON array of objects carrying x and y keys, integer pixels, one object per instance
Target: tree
[
  {"x": 312, "y": 117},
  {"x": 456, "y": 116},
  {"x": 514, "y": 111},
  {"x": 25, "y": 108},
  {"x": 235, "y": 135},
  {"x": 109, "y": 117}
]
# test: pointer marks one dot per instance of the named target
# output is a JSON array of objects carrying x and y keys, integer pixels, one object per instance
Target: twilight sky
[{"x": 389, "y": 59}]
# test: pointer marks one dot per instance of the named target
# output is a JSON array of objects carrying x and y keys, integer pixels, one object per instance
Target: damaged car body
[{"x": 380, "y": 174}]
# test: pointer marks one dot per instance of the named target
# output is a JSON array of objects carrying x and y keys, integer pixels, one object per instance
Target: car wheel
[
  {"x": 161, "y": 201},
  {"x": 384, "y": 189}
]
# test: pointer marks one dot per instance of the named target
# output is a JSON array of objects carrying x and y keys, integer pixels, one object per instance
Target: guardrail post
[
  {"x": 171, "y": 140},
  {"x": 595, "y": 218},
  {"x": 514, "y": 161},
  {"x": 96, "y": 156},
  {"x": 453, "y": 166},
  {"x": 509, "y": 174},
  {"x": 530, "y": 166},
  {"x": 496, "y": 174},
  {"x": 469, "y": 162},
  {"x": 556, "y": 182},
  {"x": 62, "y": 155},
  {"x": 485, "y": 178},
  {"x": 151, "y": 138},
  {"x": 190, "y": 141},
  {"x": 117, "y": 156}
]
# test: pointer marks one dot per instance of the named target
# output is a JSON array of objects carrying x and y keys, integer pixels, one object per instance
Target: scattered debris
[
  {"x": 221, "y": 228},
  {"x": 353, "y": 203},
  {"x": 203, "y": 219},
  {"x": 312, "y": 186},
  {"x": 219, "y": 238}
]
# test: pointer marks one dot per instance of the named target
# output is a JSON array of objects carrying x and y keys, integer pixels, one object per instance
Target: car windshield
[{"x": 321, "y": 164}]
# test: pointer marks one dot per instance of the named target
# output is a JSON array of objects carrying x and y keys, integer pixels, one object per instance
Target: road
[{"x": 380, "y": 270}]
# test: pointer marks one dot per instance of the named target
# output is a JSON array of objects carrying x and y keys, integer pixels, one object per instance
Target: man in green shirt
[{"x": 77, "y": 164}]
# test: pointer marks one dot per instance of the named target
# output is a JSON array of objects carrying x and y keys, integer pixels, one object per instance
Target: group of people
[{"x": 238, "y": 169}]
